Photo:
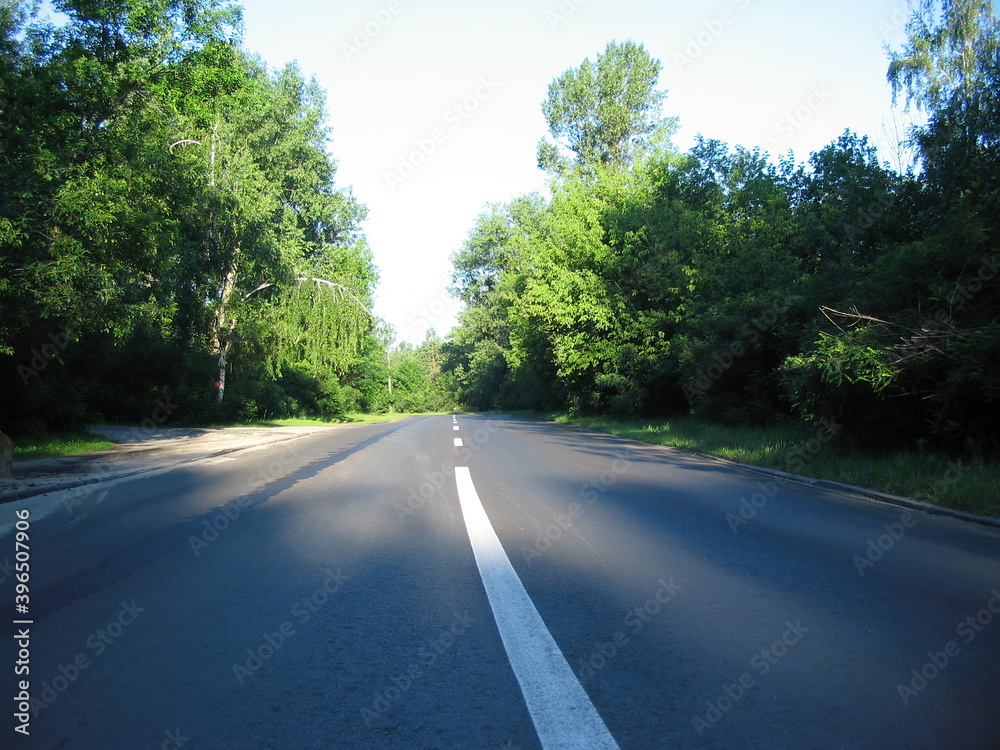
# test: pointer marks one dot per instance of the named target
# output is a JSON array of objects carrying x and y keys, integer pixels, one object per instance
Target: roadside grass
[
  {"x": 964, "y": 484},
  {"x": 60, "y": 444}
]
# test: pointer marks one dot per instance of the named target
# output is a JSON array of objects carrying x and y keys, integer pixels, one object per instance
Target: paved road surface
[{"x": 324, "y": 593}]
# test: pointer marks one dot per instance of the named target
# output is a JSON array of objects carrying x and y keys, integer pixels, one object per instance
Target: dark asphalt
[{"x": 322, "y": 593}]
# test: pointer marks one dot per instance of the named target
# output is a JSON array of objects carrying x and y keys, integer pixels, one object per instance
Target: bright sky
[{"x": 436, "y": 104}]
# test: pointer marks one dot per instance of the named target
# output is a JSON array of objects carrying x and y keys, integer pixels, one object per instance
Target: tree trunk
[
  {"x": 6, "y": 457},
  {"x": 222, "y": 326}
]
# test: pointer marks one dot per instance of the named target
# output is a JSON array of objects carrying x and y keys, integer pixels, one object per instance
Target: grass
[
  {"x": 963, "y": 484},
  {"x": 60, "y": 444}
]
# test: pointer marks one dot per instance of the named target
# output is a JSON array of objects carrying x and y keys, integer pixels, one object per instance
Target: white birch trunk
[{"x": 222, "y": 326}]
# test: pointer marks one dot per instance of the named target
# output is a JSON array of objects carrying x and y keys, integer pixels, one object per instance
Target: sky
[{"x": 435, "y": 105}]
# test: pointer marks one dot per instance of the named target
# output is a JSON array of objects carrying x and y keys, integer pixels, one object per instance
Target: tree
[
  {"x": 418, "y": 382},
  {"x": 88, "y": 197},
  {"x": 604, "y": 111},
  {"x": 950, "y": 68},
  {"x": 492, "y": 247},
  {"x": 269, "y": 216},
  {"x": 951, "y": 51},
  {"x": 914, "y": 354},
  {"x": 162, "y": 195},
  {"x": 721, "y": 283}
]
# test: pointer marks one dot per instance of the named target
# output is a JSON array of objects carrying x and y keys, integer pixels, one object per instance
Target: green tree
[
  {"x": 269, "y": 216},
  {"x": 605, "y": 111},
  {"x": 911, "y": 351},
  {"x": 419, "y": 384},
  {"x": 951, "y": 51},
  {"x": 162, "y": 197},
  {"x": 86, "y": 188}
]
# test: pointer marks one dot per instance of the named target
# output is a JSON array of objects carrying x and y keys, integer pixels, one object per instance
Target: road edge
[
  {"x": 869, "y": 494},
  {"x": 16, "y": 496},
  {"x": 828, "y": 484}
]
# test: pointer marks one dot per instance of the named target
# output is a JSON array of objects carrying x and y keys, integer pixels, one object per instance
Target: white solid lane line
[{"x": 560, "y": 708}]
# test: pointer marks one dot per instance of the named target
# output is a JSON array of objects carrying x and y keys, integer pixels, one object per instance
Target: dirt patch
[{"x": 137, "y": 450}]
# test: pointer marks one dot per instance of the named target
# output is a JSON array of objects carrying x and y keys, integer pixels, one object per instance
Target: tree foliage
[
  {"x": 603, "y": 111},
  {"x": 165, "y": 200},
  {"x": 723, "y": 283},
  {"x": 951, "y": 51}
]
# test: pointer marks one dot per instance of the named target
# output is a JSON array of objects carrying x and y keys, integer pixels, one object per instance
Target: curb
[
  {"x": 882, "y": 497},
  {"x": 10, "y": 497}
]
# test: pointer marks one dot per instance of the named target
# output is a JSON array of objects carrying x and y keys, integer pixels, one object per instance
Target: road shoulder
[{"x": 139, "y": 451}]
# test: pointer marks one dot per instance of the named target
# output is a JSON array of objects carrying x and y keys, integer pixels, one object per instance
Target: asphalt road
[{"x": 324, "y": 593}]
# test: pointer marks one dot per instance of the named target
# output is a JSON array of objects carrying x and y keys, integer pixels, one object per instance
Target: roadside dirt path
[{"x": 138, "y": 450}]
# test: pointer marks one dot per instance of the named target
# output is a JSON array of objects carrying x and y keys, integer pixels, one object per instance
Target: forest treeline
[
  {"x": 171, "y": 234},
  {"x": 170, "y": 230},
  {"x": 737, "y": 287}
]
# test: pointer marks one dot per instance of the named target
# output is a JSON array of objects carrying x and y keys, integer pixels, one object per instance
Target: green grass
[
  {"x": 61, "y": 444},
  {"x": 964, "y": 484}
]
